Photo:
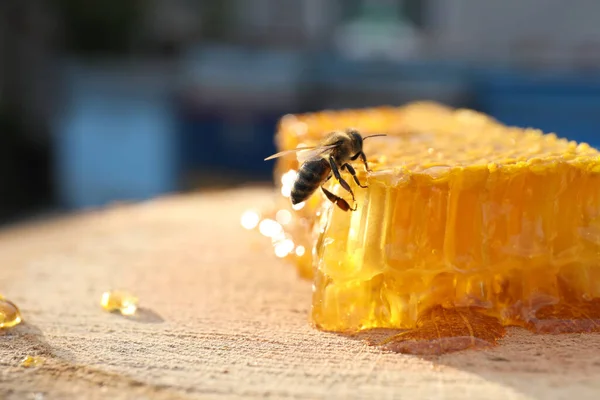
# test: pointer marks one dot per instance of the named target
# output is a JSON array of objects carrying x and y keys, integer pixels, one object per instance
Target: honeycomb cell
[{"x": 461, "y": 213}]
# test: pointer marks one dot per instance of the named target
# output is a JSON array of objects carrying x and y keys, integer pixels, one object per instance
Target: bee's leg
[
  {"x": 341, "y": 180},
  {"x": 363, "y": 157},
  {"x": 353, "y": 173},
  {"x": 338, "y": 201}
]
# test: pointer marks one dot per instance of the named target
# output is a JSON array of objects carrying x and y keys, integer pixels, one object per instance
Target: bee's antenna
[{"x": 370, "y": 136}]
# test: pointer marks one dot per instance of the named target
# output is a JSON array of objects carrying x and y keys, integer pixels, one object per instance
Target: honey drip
[
  {"x": 10, "y": 315},
  {"x": 467, "y": 226},
  {"x": 567, "y": 318},
  {"x": 441, "y": 330}
]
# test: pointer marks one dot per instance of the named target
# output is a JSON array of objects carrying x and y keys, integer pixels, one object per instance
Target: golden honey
[
  {"x": 465, "y": 220},
  {"x": 119, "y": 301},
  {"x": 9, "y": 313}
]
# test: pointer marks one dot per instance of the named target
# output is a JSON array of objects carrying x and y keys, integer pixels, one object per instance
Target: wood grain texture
[{"x": 223, "y": 318}]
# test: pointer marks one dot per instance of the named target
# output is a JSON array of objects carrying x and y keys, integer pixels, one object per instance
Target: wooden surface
[{"x": 223, "y": 318}]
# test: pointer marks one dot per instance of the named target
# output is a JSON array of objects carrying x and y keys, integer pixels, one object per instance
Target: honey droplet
[
  {"x": 32, "y": 361},
  {"x": 9, "y": 313},
  {"x": 119, "y": 301},
  {"x": 250, "y": 219}
]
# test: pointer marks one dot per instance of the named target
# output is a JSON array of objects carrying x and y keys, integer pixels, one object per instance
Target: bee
[{"x": 319, "y": 163}]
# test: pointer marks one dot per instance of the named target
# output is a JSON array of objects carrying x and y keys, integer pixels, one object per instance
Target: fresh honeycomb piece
[
  {"x": 461, "y": 212},
  {"x": 484, "y": 215}
]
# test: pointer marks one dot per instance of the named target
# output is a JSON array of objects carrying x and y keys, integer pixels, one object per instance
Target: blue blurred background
[{"x": 111, "y": 100}]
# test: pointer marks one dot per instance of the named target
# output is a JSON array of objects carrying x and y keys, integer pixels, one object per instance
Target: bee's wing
[
  {"x": 286, "y": 152},
  {"x": 306, "y": 155},
  {"x": 303, "y": 153}
]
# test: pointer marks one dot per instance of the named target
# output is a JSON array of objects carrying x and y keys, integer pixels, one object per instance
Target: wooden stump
[{"x": 222, "y": 317}]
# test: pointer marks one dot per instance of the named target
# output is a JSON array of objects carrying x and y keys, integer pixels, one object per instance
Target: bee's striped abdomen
[{"x": 310, "y": 176}]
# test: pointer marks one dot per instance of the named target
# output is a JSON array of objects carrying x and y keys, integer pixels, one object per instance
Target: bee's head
[{"x": 357, "y": 140}]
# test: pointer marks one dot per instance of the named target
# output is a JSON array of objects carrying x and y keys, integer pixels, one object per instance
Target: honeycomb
[{"x": 466, "y": 226}]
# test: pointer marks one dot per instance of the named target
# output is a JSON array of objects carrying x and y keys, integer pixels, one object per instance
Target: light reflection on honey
[
  {"x": 282, "y": 242},
  {"x": 284, "y": 247},
  {"x": 284, "y": 217},
  {"x": 287, "y": 226},
  {"x": 287, "y": 182},
  {"x": 270, "y": 228},
  {"x": 250, "y": 219}
]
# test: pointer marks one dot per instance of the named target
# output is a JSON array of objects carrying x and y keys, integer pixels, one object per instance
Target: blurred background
[{"x": 112, "y": 100}]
